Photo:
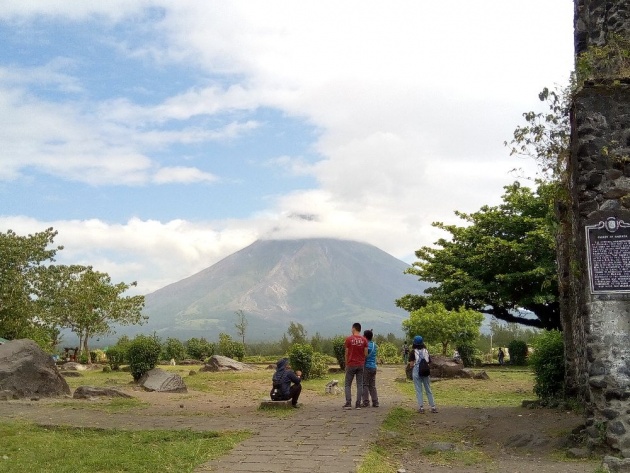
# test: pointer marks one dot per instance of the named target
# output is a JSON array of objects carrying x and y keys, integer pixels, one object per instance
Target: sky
[{"x": 159, "y": 137}]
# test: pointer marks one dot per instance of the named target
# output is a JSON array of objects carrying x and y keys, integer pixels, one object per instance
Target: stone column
[{"x": 596, "y": 298}]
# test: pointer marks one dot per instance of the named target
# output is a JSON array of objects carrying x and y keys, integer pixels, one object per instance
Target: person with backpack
[
  {"x": 419, "y": 360},
  {"x": 369, "y": 372},
  {"x": 282, "y": 380}
]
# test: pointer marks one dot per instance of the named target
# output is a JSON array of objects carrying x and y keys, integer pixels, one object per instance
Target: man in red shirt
[{"x": 356, "y": 351}]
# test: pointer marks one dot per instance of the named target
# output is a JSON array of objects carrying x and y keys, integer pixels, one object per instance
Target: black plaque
[{"x": 608, "y": 247}]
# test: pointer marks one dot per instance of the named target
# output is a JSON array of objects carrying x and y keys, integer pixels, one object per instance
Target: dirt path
[{"x": 322, "y": 437}]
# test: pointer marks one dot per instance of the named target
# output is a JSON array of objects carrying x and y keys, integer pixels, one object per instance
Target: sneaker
[
  {"x": 375, "y": 404},
  {"x": 434, "y": 410},
  {"x": 295, "y": 406},
  {"x": 347, "y": 405},
  {"x": 357, "y": 406},
  {"x": 421, "y": 410},
  {"x": 366, "y": 404}
]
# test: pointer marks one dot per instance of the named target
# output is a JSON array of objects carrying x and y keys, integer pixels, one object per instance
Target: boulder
[
  {"x": 88, "y": 392},
  {"x": 163, "y": 382},
  {"x": 70, "y": 374},
  {"x": 73, "y": 366},
  {"x": 223, "y": 363},
  {"x": 445, "y": 367},
  {"x": 27, "y": 371}
]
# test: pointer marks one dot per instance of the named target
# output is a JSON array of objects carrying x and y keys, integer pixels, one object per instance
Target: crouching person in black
[{"x": 282, "y": 389}]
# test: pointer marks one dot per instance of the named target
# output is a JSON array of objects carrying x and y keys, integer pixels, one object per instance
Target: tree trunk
[{"x": 85, "y": 347}]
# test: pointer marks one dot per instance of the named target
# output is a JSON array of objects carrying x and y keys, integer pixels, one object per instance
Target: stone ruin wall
[{"x": 598, "y": 325}]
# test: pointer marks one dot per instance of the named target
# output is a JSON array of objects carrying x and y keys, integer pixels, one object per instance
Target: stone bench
[{"x": 269, "y": 404}]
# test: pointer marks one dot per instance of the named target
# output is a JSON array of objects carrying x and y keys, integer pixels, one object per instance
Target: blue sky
[{"x": 159, "y": 137}]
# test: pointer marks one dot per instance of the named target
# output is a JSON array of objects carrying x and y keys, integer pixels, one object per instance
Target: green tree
[
  {"x": 174, "y": 349},
  {"x": 241, "y": 324},
  {"x": 89, "y": 304},
  {"x": 24, "y": 276},
  {"x": 297, "y": 333},
  {"x": 199, "y": 348},
  {"x": 438, "y": 324},
  {"x": 230, "y": 348},
  {"x": 502, "y": 260}
]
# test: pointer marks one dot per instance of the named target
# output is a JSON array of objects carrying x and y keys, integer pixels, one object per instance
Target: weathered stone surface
[
  {"x": 6, "y": 395},
  {"x": 223, "y": 363},
  {"x": 88, "y": 392},
  {"x": 578, "y": 453},
  {"x": 26, "y": 371},
  {"x": 268, "y": 404},
  {"x": 161, "y": 381},
  {"x": 443, "y": 367},
  {"x": 70, "y": 374},
  {"x": 616, "y": 465},
  {"x": 73, "y": 366}
]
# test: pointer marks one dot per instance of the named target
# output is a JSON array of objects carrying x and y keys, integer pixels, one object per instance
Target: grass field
[
  {"x": 27, "y": 448},
  {"x": 507, "y": 387}
]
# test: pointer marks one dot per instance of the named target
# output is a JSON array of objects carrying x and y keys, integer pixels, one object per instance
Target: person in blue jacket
[
  {"x": 369, "y": 376},
  {"x": 282, "y": 389}
]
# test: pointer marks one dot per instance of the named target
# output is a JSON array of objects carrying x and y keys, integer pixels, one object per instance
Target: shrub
[
  {"x": 174, "y": 349},
  {"x": 230, "y": 348},
  {"x": 199, "y": 348},
  {"x": 107, "y": 369},
  {"x": 339, "y": 349},
  {"x": 115, "y": 357},
  {"x": 518, "y": 352},
  {"x": 319, "y": 366},
  {"x": 83, "y": 358},
  {"x": 548, "y": 363},
  {"x": 301, "y": 358},
  {"x": 467, "y": 353},
  {"x": 143, "y": 353},
  {"x": 388, "y": 353}
]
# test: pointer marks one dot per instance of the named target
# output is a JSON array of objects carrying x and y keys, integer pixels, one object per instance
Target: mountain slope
[{"x": 324, "y": 284}]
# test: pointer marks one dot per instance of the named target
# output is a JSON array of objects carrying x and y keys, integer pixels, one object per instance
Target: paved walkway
[{"x": 319, "y": 437}]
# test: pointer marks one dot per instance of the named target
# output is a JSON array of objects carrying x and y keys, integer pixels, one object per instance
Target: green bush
[
  {"x": 548, "y": 363},
  {"x": 143, "y": 353},
  {"x": 199, "y": 348},
  {"x": 115, "y": 356},
  {"x": 107, "y": 369},
  {"x": 231, "y": 348},
  {"x": 388, "y": 353},
  {"x": 174, "y": 349},
  {"x": 339, "y": 349},
  {"x": 301, "y": 358},
  {"x": 467, "y": 353},
  {"x": 518, "y": 352},
  {"x": 319, "y": 365}
]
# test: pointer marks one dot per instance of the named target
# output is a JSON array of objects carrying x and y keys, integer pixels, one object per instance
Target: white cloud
[
  {"x": 412, "y": 102},
  {"x": 168, "y": 175}
]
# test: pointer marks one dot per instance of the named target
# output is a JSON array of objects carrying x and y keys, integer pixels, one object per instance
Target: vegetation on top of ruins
[{"x": 605, "y": 63}]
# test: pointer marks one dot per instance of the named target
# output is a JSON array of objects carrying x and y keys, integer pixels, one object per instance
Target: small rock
[
  {"x": 578, "y": 453},
  {"x": 181, "y": 406},
  {"x": 401, "y": 470}
]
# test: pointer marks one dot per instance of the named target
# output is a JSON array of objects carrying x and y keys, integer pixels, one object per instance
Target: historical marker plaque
[{"x": 608, "y": 248}]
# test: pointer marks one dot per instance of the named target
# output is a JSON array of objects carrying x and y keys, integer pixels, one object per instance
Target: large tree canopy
[
  {"x": 23, "y": 275},
  {"x": 501, "y": 262},
  {"x": 38, "y": 297},
  {"x": 439, "y": 325},
  {"x": 88, "y": 303}
]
